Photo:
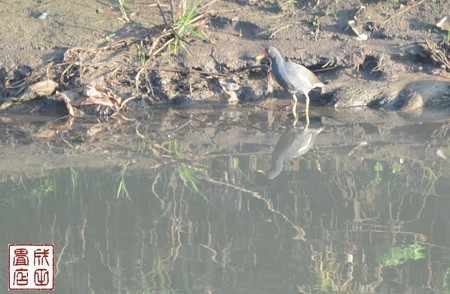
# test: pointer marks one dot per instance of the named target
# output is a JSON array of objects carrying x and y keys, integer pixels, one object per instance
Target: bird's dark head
[{"x": 270, "y": 52}]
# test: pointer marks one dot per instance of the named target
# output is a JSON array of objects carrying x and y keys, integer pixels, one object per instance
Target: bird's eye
[{"x": 268, "y": 51}]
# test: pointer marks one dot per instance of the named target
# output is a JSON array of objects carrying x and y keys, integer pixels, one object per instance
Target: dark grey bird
[
  {"x": 292, "y": 77},
  {"x": 294, "y": 142}
]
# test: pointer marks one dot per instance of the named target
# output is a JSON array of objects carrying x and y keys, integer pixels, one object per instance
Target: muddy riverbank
[{"x": 93, "y": 46}]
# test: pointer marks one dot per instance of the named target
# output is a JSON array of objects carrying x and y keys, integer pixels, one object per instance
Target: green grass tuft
[
  {"x": 123, "y": 10},
  {"x": 184, "y": 27}
]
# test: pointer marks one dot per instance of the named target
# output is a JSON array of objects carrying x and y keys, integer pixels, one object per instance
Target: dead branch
[
  {"x": 437, "y": 55},
  {"x": 401, "y": 12}
]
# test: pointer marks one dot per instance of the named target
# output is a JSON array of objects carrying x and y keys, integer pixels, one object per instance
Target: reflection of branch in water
[
  {"x": 155, "y": 181},
  {"x": 175, "y": 231},
  {"x": 83, "y": 237},
  {"x": 66, "y": 243},
  {"x": 348, "y": 188},
  {"x": 300, "y": 232},
  {"x": 225, "y": 258},
  {"x": 428, "y": 191},
  {"x": 214, "y": 253}
]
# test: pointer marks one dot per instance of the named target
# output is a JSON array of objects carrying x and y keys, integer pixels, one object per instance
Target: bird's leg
[
  {"x": 295, "y": 121},
  {"x": 294, "y": 109},
  {"x": 307, "y": 109}
]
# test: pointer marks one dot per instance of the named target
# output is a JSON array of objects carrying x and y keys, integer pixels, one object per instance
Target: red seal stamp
[{"x": 31, "y": 266}]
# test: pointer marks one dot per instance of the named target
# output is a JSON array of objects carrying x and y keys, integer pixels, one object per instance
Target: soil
[
  {"x": 92, "y": 53},
  {"x": 313, "y": 33}
]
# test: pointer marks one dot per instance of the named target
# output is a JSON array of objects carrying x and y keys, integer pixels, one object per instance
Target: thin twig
[
  {"x": 162, "y": 12},
  {"x": 402, "y": 11},
  {"x": 171, "y": 27},
  {"x": 190, "y": 71},
  {"x": 275, "y": 30},
  {"x": 150, "y": 60},
  {"x": 282, "y": 28},
  {"x": 171, "y": 11},
  {"x": 438, "y": 55}
]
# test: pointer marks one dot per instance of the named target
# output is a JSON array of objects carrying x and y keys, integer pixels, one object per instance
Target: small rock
[{"x": 43, "y": 16}]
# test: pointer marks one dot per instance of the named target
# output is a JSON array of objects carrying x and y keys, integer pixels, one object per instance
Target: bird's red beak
[{"x": 260, "y": 56}]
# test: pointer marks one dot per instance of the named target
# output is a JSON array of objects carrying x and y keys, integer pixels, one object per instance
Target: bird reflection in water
[{"x": 293, "y": 143}]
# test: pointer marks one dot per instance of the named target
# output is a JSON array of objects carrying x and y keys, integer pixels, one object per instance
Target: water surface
[{"x": 186, "y": 200}]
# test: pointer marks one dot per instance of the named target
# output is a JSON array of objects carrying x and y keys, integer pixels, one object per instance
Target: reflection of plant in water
[
  {"x": 173, "y": 148},
  {"x": 445, "y": 279},
  {"x": 21, "y": 184},
  {"x": 337, "y": 164},
  {"x": 119, "y": 273},
  {"x": 393, "y": 181},
  {"x": 163, "y": 285},
  {"x": 185, "y": 171},
  {"x": 46, "y": 186},
  {"x": 325, "y": 282},
  {"x": 430, "y": 180},
  {"x": 74, "y": 180},
  {"x": 29, "y": 190},
  {"x": 187, "y": 175},
  {"x": 396, "y": 168},
  {"x": 378, "y": 168},
  {"x": 401, "y": 254},
  {"x": 332, "y": 273},
  {"x": 142, "y": 146},
  {"x": 122, "y": 190},
  {"x": 329, "y": 274}
]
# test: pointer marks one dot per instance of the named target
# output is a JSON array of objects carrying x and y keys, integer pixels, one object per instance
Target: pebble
[{"x": 43, "y": 16}]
